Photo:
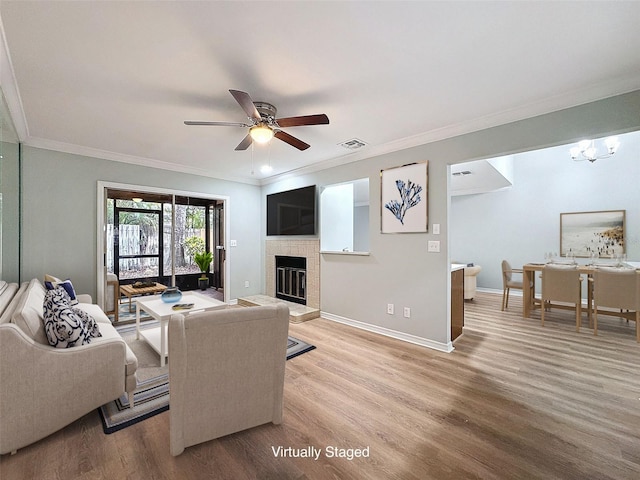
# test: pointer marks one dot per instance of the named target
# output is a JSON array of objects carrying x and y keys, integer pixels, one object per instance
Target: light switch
[
  {"x": 433, "y": 246},
  {"x": 436, "y": 229},
  {"x": 233, "y": 243}
]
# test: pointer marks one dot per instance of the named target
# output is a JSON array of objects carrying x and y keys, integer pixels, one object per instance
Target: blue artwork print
[{"x": 409, "y": 197}]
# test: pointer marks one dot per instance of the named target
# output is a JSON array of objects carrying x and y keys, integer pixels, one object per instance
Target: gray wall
[
  {"x": 59, "y": 212},
  {"x": 399, "y": 269},
  {"x": 59, "y": 217},
  {"x": 9, "y": 180},
  {"x": 522, "y": 222}
]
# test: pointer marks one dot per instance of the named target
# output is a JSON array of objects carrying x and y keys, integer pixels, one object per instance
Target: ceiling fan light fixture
[{"x": 261, "y": 133}]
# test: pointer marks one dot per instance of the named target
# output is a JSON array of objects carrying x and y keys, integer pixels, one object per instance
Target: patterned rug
[
  {"x": 126, "y": 315},
  {"x": 151, "y": 396}
]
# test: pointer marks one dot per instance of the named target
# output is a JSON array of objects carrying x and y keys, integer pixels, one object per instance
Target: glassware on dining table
[
  {"x": 621, "y": 259},
  {"x": 593, "y": 258}
]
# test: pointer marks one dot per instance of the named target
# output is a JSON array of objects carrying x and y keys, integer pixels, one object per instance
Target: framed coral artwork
[{"x": 403, "y": 199}]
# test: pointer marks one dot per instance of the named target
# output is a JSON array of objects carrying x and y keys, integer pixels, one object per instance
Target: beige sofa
[
  {"x": 43, "y": 388},
  {"x": 226, "y": 372}
]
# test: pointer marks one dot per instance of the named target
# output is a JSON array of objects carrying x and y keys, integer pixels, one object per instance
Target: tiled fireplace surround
[{"x": 309, "y": 249}]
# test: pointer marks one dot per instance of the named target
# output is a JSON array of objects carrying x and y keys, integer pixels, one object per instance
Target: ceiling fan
[{"x": 264, "y": 125}]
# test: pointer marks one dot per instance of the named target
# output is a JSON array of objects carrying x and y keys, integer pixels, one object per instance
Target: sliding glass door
[
  {"x": 137, "y": 243},
  {"x": 154, "y": 237}
]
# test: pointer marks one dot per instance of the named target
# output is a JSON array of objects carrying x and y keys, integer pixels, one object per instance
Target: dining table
[{"x": 529, "y": 300}]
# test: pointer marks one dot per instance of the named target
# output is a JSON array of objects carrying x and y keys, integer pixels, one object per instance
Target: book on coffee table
[{"x": 182, "y": 306}]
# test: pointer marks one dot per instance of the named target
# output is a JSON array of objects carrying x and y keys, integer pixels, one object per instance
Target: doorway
[{"x": 151, "y": 235}]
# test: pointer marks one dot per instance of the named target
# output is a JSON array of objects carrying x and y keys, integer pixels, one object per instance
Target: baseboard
[
  {"x": 405, "y": 337},
  {"x": 514, "y": 292}
]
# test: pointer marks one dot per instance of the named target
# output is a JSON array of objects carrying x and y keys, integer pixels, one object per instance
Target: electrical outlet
[
  {"x": 433, "y": 246},
  {"x": 233, "y": 243},
  {"x": 390, "y": 308},
  {"x": 407, "y": 312},
  {"x": 246, "y": 284}
]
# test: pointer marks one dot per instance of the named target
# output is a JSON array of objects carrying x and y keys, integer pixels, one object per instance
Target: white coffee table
[{"x": 157, "y": 337}]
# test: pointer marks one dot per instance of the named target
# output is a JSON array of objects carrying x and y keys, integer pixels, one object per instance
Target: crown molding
[
  {"x": 10, "y": 89},
  {"x": 551, "y": 104},
  {"x": 548, "y": 105},
  {"x": 46, "y": 144}
]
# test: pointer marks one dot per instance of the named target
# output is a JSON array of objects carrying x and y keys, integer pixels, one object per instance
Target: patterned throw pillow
[
  {"x": 88, "y": 321},
  {"x": 65, "y": 325},
  {"x": 67, "y": 285}
]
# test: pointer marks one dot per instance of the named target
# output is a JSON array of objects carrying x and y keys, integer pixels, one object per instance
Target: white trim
[
  {"x": 73, "y": 149},
  {"x": 514, "y": 292},
  {"x": 542, "y": 107},
  {"x": 102, "y": 186},
  {"x": 9, "y": 86},
  {"x": 405, "y": 337}
]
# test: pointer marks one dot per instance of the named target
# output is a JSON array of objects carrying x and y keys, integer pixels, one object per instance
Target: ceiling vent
[
  {"x": 462, "y": 173},
  {"x": 353, "y": 144}
]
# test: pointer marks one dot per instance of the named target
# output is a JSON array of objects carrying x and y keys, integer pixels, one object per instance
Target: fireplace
[
  {"x": 309, "y": 249},
  {"x": 291, "y": 279}
]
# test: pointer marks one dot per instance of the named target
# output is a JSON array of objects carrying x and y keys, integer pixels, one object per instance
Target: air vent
[
  {"x": 462, "y": 173},
  {"x": 353, "y": 144}
]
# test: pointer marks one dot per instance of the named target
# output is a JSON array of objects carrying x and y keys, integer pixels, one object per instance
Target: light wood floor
[{"x": 513, "y": 401}]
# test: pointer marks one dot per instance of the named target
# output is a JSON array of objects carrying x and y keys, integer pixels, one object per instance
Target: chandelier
[{"x": 587, "y": 150}]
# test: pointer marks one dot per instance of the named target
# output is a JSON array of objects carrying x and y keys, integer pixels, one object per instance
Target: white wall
[
  {"x": 334, "y": 202},
  {"x": 522, "y": 222}
]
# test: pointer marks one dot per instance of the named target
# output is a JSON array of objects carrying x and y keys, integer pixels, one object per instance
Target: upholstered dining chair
[
  {"x": 508, "y": 282},
  {"x": 562, "y": 283},
  {"x": 226, "y": 372},
  {"x": 619, "y": 289}
]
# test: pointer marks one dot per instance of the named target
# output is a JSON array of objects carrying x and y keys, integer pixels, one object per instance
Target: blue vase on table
[{"x": 171, "y": 295}]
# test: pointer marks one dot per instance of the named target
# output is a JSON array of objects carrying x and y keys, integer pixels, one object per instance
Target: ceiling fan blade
[
  {"x": 291, "y": 140},
  {"x": 224, "y": 124},
  {"x": 246, "y": 103},
  {"x": 320, "y": 119},
  {"x": 244, "y": 144}
]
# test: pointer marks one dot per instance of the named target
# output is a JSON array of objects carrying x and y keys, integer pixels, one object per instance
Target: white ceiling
[{"x": 116, "y": 80}]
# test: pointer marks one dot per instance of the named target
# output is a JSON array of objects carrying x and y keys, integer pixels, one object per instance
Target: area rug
[
  {"x": 126, "y": 315},
  {"x": 151, "y": 396}
]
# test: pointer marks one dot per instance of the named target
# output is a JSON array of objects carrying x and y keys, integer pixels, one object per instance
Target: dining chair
[
  {"x": 620, "y": 289},
  {"x": 562, "y": 283},
  {"x": 508, "y": 282}
]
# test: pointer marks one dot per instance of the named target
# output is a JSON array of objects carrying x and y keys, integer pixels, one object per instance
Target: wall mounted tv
[{"x": 292, "y": 212}]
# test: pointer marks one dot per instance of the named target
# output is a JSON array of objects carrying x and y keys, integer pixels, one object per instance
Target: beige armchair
[
  {"x": 619, "y": 289},
  {"x": 226, "y": 371},
  {"x": 562, "y": 283},
  {"x": 470, "y": 283}
]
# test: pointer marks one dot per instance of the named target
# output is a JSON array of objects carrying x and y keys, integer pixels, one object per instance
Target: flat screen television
[{"x": 292, "y": 212}]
